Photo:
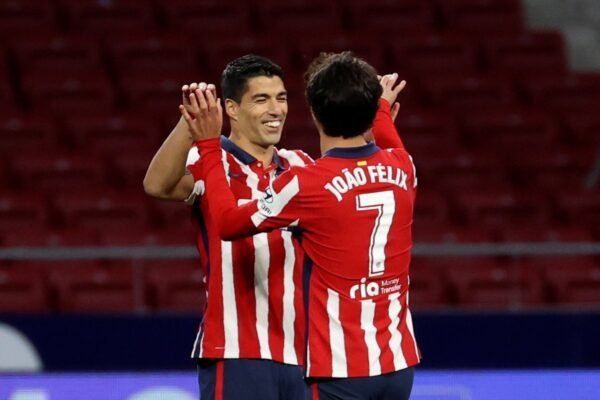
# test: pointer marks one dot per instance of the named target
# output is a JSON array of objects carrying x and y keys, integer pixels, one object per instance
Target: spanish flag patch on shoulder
[{"x": 361, "y": 163}]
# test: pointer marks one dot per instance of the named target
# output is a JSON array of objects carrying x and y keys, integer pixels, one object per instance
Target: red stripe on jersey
[
  {"x": 219, "y": 380},
  {"x": 276, "y": 289},
  {"x": 357, "y": 359},
  {"x": 408, "y": 341},
  {"x": 382, "y": 322},
  {"x": 314, "y": 388}
]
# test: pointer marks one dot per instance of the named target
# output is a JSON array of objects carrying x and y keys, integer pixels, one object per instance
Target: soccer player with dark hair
[{"x": 354, "y": 210}]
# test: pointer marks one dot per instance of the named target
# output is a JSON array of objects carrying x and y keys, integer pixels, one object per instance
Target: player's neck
[
  {"x": 262, "y": 154},
  {"x": 329, "y": 142}
]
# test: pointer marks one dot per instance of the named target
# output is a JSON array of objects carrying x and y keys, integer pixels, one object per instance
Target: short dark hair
[
  {"x": 343, "y": 93},
  {"x": 234, "y": 80}
]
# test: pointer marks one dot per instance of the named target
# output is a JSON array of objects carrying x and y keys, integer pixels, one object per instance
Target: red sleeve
[
  {"x": 384, "y": 131},
  {"x": 275, "y": 210},
  {"x": 232, "y": 222}
]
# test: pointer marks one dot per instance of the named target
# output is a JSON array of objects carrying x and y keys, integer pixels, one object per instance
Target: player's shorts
[
  {"x": 393, "y": 386},
  {"x": 250, "y": 379}
]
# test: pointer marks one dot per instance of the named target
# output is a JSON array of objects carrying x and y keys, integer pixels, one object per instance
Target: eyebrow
[{"x": 259, "y": 95}]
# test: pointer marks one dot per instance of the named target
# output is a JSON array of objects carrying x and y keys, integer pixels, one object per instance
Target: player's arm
[
  {"x": 166, "y": 177},
  {"x": 384, "y": 131}
]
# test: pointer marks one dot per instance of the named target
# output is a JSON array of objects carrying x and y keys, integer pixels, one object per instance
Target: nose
[{"x": 275, "y": 108}]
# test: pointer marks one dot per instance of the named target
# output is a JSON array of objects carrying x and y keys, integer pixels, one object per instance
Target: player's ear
[{"x": 232, "y": 108}]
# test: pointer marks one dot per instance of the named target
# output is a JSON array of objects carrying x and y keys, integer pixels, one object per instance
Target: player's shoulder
[
  {"x": 397, "y": 152},
  {"x": 295, "y": 157}
]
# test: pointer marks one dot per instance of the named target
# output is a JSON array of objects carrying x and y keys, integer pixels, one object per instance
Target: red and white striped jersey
[
  {"x": 354, "y": 208},
  {"x": 254, "y": 285}
]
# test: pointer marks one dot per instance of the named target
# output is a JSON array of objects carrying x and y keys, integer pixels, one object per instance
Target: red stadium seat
[
  {"x": 40, "y": 171},
  {"x": 451, "y": 234},
  {"x": 96, "y": 288},
  {"x": 577, "y": 92},
  {"x": 482, "y": 17},
  {"x": 22, "y": 291},
  {"x": 580, "y": 208},
  {"x": 291, "y": 17},
  {"x": 177, "y": 235},
  {"x": 144, "y": 52},
  {"x": 434, "y": 54},
  {"x": 390, "y": 17},
  {"x": 510, "y": 128},
  {"x": 175, "y": 285},
  {"x": 19, "y": 16},
  {"x": 22, "y": 132},
  {"x": 207, "y": 17},
  {"x": 533, "y": 53},
  {"x": 427, "y": 133},
  {"x": 20, "y": 212},
  {"x": 431, "y": 209},
  {"x": 500, "y": 208},
  {"x": 127, "y": 168},
  {"x": 8, "y": 102},
  {"x": 545, "y": 233},
  {"x": 172, "y": 214},
  {"x": 469, "y": 93},
  {"x": 49, "y": 238},
  {"x": 428, "y": 285},
  {"x": 41, "y": 53},
  {"x": 104, "y": 17},
  {"x": 573, "y": 280},
  {"x": 114, "y": 133},
  {"x": 582, "y": 129},
  {"x": 484, "y": 283},
  {"x": 102, "y": 210},
  {"x": 62, "y": 92}
]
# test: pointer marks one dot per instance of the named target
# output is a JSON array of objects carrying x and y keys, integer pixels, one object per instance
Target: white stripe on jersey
[
  {"x": 289, "y": 310},
  {"x": 276, "y": 203},
  {"x": 396, "y": 339},
  {"x": 198, "y": 342},
  {"x": 339, "y": 367},
  {"x": 415, "y": 182},
  {"x": 261, "y": 291},
  {"x": 292, "y": 157},
  {"x": 226, "y": 165},
  {"x": 230, "y": 324},
  {"x": 409, "y": 325},
  {"x": 261, "y": 270},
  {"x": 367, "y": 316}
]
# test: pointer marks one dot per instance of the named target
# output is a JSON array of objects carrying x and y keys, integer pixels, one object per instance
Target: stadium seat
[
  {"x": 207, "y": 18},
  {"x": 427, "y": 133},
  {"x": 469, "y": 93},
  {"x": 428, "y": 285},
  {"x": 89, "y": 287},
  {"x": 484, "y": 283},
  {"x": 127, "y": 168},
  {"x": 482, "y": 17},
  {"x": 19, "y": 16},
  {"x": 41, "y": 53},
  {"x": 175, "y": 285},
  {"x": 431, "y": 209},
  {"x": 8, "y": 101},
  {"x": 19, "y": 212},
  {"x": 500, "y": 208},
  {"x": 433, "y": 55},
  {"x": 172, "y": 214},
  {"x": 62, "y": 92},
  {"x": 22, "y": 132},
  {"x": 112, "y": 133},
  {"x": 572, "y": 280},
  {"x": 44, "y": 237},
  {"x": 446, "y": 234},
  {"x": 523, "y": 129},
  {"x": 102, "y": 210},
  {"x": 581, "y": 129},
  {"x": 107, "y": 17},
  {"x": 176, "y": 235},
  {"x": 390, "y": 17},
  {"x": 43, "y": 172},
  {"x": 545, "y": 233},
  {"x": 22, "y": 291},
  {"x": 532, "y": 53},
  {"x": 573, "y": 93},
  {"x": 297, "y": 17},
  {"x": 580, "y": 208},
  {"x": 139, "y": 53}
]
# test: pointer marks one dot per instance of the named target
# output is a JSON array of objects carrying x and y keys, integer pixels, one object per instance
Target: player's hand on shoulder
[{"x": 202, "y": 110}]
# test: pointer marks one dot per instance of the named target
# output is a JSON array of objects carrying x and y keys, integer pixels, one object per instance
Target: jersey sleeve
[
  {"x": 198, "y": 189},
  {"x": 233, "y": 222},
  {"x": 384, "y": 131}
]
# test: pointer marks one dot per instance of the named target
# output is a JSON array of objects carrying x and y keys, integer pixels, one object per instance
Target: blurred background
[{"x": 498, "y": 114}]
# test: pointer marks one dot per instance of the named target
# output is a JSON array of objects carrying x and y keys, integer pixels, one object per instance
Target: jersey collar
[
  {"x": 244, "y": 156},
  {"x": 353, "y": 152}
]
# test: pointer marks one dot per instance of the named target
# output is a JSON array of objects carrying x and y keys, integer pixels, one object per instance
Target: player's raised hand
[
  {"x": 204, "y": 115},
  {"x": 391, "y": 91}
]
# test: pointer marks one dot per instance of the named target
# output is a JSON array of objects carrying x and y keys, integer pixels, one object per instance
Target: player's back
[{"x": 357, "y": 208}]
